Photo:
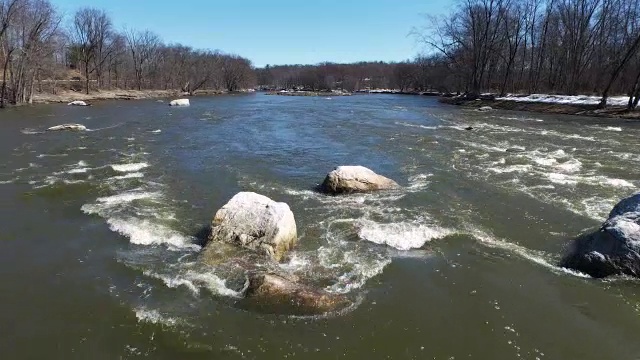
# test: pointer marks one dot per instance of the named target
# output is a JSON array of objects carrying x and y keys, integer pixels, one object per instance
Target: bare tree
[
  {"x": 143, "y": 46},
  {"x": 31, "y": 41},
  {"x": 8, "y": 9},
  {"x": 92, "y": 30}
]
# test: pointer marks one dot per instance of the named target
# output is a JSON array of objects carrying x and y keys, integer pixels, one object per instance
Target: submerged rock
[
  {"x": 469, "y": 128},
  {"x": 78, "y": 103},
  {"x": 276, "y": 293},
  {"x": 515, "y": 150},
  {"x": 612, "y": 250},
  {"x": 179, "y": 102},
  {"x": 72, "y": 127},
  {"x": 484, "y": 109},
  {"x": 348, "y": 179},
  {"x": 254, "y": 222}
]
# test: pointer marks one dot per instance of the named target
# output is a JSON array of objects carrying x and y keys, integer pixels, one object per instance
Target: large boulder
[
  {"x": 71, "y": 127},
  {"x": 254, "y": 222},
  {"x": 348, "y": 179},
  {"x": 614, "y": 249},
  {"x": 179, "y": 102},
  {"x": 276, "y": 293}
]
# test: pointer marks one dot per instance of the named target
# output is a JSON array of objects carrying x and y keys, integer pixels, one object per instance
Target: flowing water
[{"x": 101, "y": 230}]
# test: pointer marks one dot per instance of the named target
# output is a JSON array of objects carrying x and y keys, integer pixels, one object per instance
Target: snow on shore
[{"x": 567, "y": 99}]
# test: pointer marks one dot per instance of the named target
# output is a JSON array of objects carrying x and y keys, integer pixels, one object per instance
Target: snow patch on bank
[{"x": 566, "y": 99}]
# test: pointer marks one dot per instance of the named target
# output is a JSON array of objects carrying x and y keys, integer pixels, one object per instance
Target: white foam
[
  {"x": 511, "y": 169},
  {"x": 597, "y": 208},
  {"x": 417, "y": 126},
  {"x": 174, "y": 281},
  {"x": 145, "y": 232},
  {"x": 51, "y": 155},
  {"x": 402, "y": 236},
  {"x": 545, "y": 161},
  {"x": 31, "y": 131},
  {"x": 127, "y": 197},
  {"x": 537, "y": 257},
  {"x": 129, "y": 167},
  {"x": 361, "y": 271},
  {"x": 154, "y": 317},
  {"x": 613, "y": 128},
  {"x": 127, "y": 176},
  {"x": 571, "y": 166},
  {"x": 78, "y": 171},
  {"x": 561, "y": 179},
  {"x": 156, "y": 131},
  {"x": 617, "y": 182},
  {"x": 418, "y": 182},
  {"x": 213, "y": 283}
]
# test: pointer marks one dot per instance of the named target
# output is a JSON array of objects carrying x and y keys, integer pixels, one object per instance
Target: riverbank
[
  {"x": 69, "y": 96},
  {"x": 593, "y": 110}
]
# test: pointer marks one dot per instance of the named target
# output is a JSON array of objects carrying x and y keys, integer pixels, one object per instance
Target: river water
[{"x": 99, "y": 248}]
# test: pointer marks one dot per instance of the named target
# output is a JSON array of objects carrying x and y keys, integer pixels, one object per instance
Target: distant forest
[
  {"x": 503, "y": 46},
  {"x": 39, "y": 53},
  {"x": 497, "y": 46}
]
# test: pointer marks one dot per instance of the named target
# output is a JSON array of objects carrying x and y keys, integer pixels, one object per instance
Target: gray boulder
[
  {"x": 614, "y": 249},
  {"x": 254, "y": 222},
  {"x": 276, "y": 293},
  {"x": 348, "y": 179},
  {"x": 179, "y": 102},
  {"x": 78, "y": 103}
]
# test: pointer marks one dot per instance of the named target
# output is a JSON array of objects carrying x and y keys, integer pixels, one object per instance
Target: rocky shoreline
[
  {"x": 566, "y": 109},
  {"x": 70, "y": 96}
]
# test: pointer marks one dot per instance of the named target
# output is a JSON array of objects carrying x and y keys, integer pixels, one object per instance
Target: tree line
[
  {"x": 420, "y": 74},
  {"x": 498, "y": 46},
  {"x": 503, "y": 46},
  {"x": 40, "y": 53},
  {"x": 529, "y": 46}
]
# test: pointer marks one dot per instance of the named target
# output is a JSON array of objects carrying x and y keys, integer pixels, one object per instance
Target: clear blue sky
[{"x": 279, "y": 31}]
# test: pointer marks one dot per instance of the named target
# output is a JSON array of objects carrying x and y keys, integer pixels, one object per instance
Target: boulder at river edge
[
  {"x": 277, "y": 293},
  {"x": 179, "y": 102},
  {"x": 255, "y": 222},
  {"x": 78, "y": 103},
  {"x": 348, "y": 179},
  {"x": 71, "y": 127},
  {"x": 612, "y": 250}
]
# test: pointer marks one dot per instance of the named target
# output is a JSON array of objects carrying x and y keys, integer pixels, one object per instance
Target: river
[{"x": 99, "y": 248}]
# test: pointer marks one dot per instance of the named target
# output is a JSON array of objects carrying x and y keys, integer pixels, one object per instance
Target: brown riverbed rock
[
  {"x": 253, "y": 221},
  {"x": 349, "y": 179},
  {"x": 276, "y": 293}
]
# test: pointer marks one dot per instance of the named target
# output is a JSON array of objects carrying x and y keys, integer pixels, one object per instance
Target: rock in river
[
  {"x": 614, "y": 249},
  {"x": 179, "y": 102},
  {"x": 254, "y": 222},
  {"x": 348, "y": 179},
  {"x": 72, "y": 127},
  {"x": 278, "y": 294},
  {"x": 78, "y": 103}
]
